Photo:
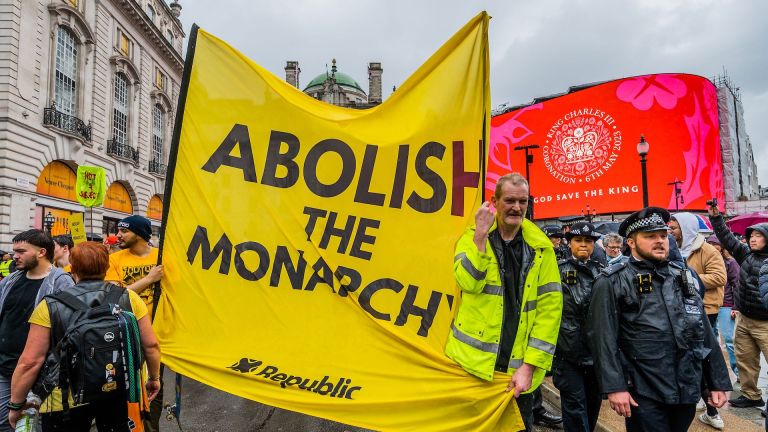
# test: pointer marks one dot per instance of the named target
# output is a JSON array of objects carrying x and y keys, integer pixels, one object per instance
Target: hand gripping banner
[{"x": 309, "y": 248}]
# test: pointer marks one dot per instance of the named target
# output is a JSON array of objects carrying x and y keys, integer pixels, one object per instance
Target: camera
[{"x": 712, "y": 202}]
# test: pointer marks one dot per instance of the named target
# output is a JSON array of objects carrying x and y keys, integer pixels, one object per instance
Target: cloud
[{"x": 537, "y": 48}]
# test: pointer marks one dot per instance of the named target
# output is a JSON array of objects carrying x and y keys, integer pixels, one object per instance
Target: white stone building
[
  {"x": 85, "y": 82},
  {"x": 338, "y": 88}
]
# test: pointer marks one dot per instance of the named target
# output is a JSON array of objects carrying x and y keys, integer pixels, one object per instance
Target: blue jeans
[
  {"x": 5, "y": 397},
  {"x": 725, "y": 324}
]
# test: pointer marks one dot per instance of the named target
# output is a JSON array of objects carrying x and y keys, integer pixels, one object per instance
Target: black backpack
[{"x": 99, "y": 356}]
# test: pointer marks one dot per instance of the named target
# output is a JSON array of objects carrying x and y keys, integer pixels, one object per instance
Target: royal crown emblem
[{"x": 580, "y": 146}]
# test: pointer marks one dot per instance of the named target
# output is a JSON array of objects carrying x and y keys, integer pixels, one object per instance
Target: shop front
[
  {"x": 117, "y": 205},
  {"x": 56, "y": 200}
]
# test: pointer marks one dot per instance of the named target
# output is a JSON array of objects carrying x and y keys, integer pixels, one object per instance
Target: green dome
[{"x": 341, "y": 79}]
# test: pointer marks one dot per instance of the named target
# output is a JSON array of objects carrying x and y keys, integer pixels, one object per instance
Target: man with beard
[
  {"x": 654, "y": 351},
  {"x": 574, "y": 372},
  {"x": 135, "y": 268},
  {"x": 509, "y": 315},
  {"x": 19, "y": 294}
]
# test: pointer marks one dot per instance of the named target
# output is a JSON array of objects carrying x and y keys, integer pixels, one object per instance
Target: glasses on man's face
[{"x": 613, "y": 247}]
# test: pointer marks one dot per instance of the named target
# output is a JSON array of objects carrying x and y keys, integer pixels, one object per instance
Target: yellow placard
[
  {"x": 77, "y": 228},
  {"x": 308, "y": 251},
  {"x": 91, "y": 185}
]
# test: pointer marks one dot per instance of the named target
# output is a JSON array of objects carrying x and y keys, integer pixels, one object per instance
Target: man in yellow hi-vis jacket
[{"x": 511, "y": 304}]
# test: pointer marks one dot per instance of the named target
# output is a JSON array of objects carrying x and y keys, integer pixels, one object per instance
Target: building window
[
  {"x": 169, "y": 36},
  {"x": 158, "y": 132},
  {"x": 125, "y": 44},
  {"x": 159, "y": 79},
  {"x": 120, "y": 110},
  {"x": 151, "y": 12},
  {"x": 65, "y": 85}
]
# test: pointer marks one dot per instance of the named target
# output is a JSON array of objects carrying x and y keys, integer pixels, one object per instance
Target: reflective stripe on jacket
[{"x": 476, "y": 331}]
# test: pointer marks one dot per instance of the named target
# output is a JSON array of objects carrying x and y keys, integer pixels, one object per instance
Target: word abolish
[
  {"x": 283, "y": 148},
  {"x": 277, "y": 264}
]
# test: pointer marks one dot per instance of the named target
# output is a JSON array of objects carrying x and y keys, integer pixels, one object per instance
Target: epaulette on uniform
[
  {"x": 613, "y": 268},
  {"x": 676, "y": 265}
]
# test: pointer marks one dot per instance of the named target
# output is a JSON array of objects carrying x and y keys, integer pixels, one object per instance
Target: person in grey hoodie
[{"x": 20, "y": 292}]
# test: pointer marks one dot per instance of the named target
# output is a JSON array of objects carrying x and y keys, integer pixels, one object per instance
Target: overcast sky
[{"x": 537, "y": 47}]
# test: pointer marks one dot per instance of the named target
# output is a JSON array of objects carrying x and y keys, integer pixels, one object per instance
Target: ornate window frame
[{"x": 63, "y": 14}]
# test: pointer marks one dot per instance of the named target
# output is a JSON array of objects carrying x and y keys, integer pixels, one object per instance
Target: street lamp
[
  {"x": 588, "y": 213},
  {"x": 528, "y": 162},
  {"x": 678, "y": 193},
  {"x": 642, "y": 150},
  {"x": 48, "y": 221}
]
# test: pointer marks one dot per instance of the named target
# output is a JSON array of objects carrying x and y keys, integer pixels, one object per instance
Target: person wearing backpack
[
  {"x": 20, "y": 292},
  {"x": 54, "y": 321}
]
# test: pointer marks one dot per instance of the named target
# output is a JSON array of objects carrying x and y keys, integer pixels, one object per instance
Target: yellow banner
[
  {"x": 77, "y": 228},
  {"x": 308, "y": 250}
]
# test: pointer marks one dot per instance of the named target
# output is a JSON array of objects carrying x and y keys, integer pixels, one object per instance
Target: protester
[
  {"x": 651, "y": 341},
  {"x": 708, "y": 264},
  {"x": 574, "y": 372},
  {"x": 702, "y": 258},
  {"x": 751, "y": 332},
  {"x": 763, "y": 283},
  {"x": 727, "y": 315},
  {"x": 49, "y": 322},
  {"x": 5, "y": 265},
  {"x": 62, "y": 244},
  {"x": 612, "y": 242},
  {"x": 505, "y": 262},
  {"x": 19, "y": 294},
  {"x": 135, "y": 268}
]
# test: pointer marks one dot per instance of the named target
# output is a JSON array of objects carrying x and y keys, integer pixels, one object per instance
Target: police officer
[
  {"x": 653, "y": 348},
  {"x": 556, "y": 237},
  {"x": 573, "y": 372}
]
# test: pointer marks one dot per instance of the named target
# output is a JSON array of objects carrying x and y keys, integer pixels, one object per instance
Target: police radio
[{"x": 687, "y": 284}]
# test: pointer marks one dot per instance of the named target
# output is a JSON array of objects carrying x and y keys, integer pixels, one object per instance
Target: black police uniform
[
  {"x": 574, "y": 372},
  {"x": 650, "y": 336}
]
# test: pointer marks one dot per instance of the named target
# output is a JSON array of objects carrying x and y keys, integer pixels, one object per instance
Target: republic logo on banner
[
  {"x": 308, "y": 248},
  {"x": 91, "y": 185}
]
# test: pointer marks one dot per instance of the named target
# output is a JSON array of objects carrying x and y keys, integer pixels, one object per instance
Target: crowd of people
[
  {"x": 633, "y": 316},
  {"x": 40, "y": 281}
]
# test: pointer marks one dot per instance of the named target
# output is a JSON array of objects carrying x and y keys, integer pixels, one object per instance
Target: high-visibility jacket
[
  {"x": 476, "y": 331},
  {"x": 5, "y": 268}
]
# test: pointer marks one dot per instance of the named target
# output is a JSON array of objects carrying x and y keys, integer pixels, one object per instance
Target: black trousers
[
  {"x": 530, "y": 406},
  {"x": 580, "y": 398},
  {"x": 653, "y": 416},
  {"x": 152, "y": 424},
  {"x": 110, "y": 416}
]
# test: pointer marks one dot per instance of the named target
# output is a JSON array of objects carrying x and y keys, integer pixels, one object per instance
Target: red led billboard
[{"x": 587, "y": 140}]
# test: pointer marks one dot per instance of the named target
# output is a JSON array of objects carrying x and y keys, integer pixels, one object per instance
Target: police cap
[
  {"x": 584, "y": 229},
  {"x": 552, "y": 231},
  {"x": 645, "y": 220}
]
